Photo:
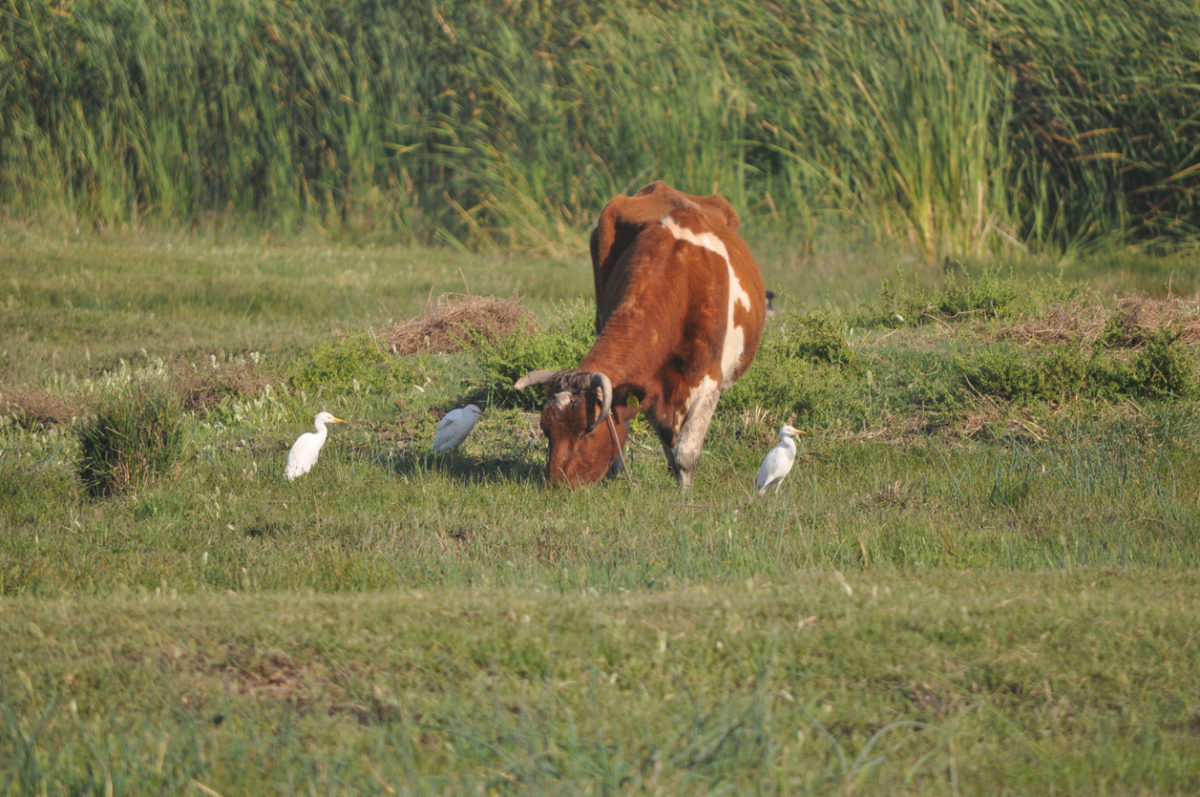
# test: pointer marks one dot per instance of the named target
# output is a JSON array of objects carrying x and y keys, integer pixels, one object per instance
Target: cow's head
[{"x": 575, "y": 421}]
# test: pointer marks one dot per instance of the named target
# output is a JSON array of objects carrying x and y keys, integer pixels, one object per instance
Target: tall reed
[{"x": 958, "y": 126}]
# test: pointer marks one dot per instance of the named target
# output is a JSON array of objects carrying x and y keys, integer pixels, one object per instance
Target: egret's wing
[
  {"x": 449, "y": 432},
  {"x": 775, "y": 466},
  {"x": 302, "y": 456}
]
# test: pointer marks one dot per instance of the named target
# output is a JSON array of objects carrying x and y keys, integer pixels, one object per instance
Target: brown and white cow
[{"x": 679, "y": 313}]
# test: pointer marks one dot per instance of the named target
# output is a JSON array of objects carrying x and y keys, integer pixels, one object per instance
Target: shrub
[
  {"x": 985, "y": 295},
  {"x": 351, "y": 365},
  {"x": 784, "y": 387},
  {"x": 1163, "y": 369},
  {"x": 816, "y": 338},
  {"x": 129, "y": 439},
  {"x": 1109, "y": 376},
  {"x": 1012, "y": 373},
  {"x": 999, "y": 370},
  {"x": 988, "y": 294},
  {"x": 561, "y": 343},
  {"x": 799, "y": 372},
  {"x": 1063, "y": 371},
  {"x": 1119, "y": 331}
]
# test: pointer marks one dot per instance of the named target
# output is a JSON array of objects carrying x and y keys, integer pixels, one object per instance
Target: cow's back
[{"x": 625, "y": 218}]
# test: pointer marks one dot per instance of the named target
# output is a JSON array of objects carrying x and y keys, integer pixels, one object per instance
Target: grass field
[{"x": 980, "y": 577}]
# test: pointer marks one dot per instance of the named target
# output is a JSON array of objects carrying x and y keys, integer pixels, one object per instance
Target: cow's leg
[{"x": 685, "y": 454}]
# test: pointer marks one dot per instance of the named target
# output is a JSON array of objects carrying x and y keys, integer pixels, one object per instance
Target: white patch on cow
[
  {"x": 698, "y": 395},
  {"x": 707, "y": 240},
  {"x": 735, "y": 337},
  {"x": 699, "y": 407},
  {"x": 561, "y": 399}
]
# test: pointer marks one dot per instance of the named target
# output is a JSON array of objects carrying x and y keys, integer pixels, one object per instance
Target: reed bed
[{"x": 962, "y": 127}]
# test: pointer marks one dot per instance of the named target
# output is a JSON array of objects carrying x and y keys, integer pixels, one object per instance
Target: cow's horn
[
  {"x": 539, "y": 377},
  {"x": 599, "y": 380}
]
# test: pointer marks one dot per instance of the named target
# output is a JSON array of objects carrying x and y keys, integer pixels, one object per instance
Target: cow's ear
[
  {"x": 618, "y": 227},
  {"x": 719, "y": 206},
  {"x": 602, "y": 239}
]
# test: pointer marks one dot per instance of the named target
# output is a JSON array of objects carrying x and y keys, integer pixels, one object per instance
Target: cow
[{"x": 679, "y": 312}]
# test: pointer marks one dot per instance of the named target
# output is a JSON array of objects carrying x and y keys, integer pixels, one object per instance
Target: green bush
[
  {"x": 1063, "y": 371},
  {"x": 1119, "y": 331},
  {"x": 1162, "y": 369},
  {"x": 355, "y": 364},
  {"x": 561, "y": 343},
  {"x": 1109, "y": 376},
  {"x": 1050, "y": 373},
  {"x": 814, "y": 336},
  {"x": 989, "y": 294},
  {"x": 129, "y": 439},
  {"x": 801, "y": 372},
  {"x": 999, "y": 370}
]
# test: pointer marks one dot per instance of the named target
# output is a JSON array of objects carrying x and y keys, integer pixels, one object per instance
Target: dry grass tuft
[
  {"x": 201, "y": 388},
  {"x": 1145, "y": 314},
  {"x": 35, "y": 409},
  {"x": 895, "y": 429},
  {"x": 450, "y": 321},
  {"x": 1084, "y": 322},
  {"x": 892, "y": 494}
]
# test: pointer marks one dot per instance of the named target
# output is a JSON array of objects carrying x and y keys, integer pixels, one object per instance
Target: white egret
[
  {"x": 778, "y": 462},
  {"x": 455, "y": 427},
  {"x": 306, "y": 448}
]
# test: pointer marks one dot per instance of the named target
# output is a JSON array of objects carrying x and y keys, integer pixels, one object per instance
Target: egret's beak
[
  {"x": 794, "y": 430},
  {"x": 337, "y": 420}
]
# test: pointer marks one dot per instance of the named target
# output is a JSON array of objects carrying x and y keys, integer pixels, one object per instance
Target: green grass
[
  {"x": 976, "y": 578},
  {"x": 933, "y": 682}
]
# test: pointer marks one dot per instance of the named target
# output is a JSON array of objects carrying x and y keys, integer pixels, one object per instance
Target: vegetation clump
[
  {"x": 129, "y": 439},
  {"x": 561, "y": 342},
  {"x": 990, "y": 294},
  {"x": 450, "y": 323},
  {"x": 817, "y": 337},
  {"x": 1162, "y": 369},
  {"x": 962, "y": 128},
  {"x": 33, "y": 408},
  {"x": 353, "y": 364},
  {"x": 203, "y": 386}
]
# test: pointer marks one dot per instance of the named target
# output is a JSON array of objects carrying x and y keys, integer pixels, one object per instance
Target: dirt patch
[
  {"x": 274, "y": 675},
  {"x": 268, "y": 673},
  {"x": 449, "y": 322}
]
